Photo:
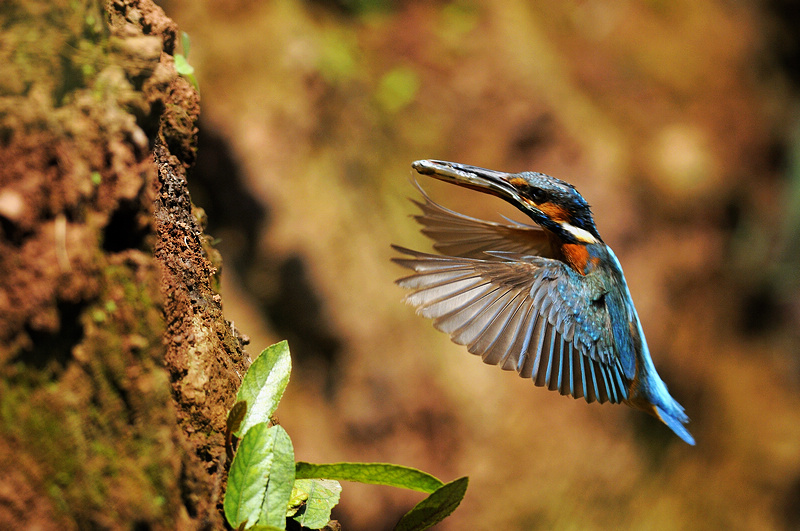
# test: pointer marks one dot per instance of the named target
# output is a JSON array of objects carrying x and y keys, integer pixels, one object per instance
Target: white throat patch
[{"x": 581, "y": 235}]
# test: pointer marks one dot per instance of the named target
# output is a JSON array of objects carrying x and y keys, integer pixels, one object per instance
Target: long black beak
[{"x": 492, "y": 182}]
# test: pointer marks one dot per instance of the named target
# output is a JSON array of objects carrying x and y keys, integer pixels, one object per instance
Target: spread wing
[
  {"x": 523, "y": 313},
  {"x": 455, "y": 234}
]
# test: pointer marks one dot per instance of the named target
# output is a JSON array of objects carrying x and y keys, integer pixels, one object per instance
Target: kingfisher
[{"x": 548, "y": 300}]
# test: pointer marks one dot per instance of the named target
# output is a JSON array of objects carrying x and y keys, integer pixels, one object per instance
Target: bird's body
[{"x": 547, "y": 300}]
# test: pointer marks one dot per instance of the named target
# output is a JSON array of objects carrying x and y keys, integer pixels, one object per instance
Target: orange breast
[{"x": 578, "y": 257}]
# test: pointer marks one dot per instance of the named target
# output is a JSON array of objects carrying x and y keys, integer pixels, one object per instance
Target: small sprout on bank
[{"x": 182, "y": 62}]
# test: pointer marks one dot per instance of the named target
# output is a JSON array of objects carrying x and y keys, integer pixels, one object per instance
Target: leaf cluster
[
  {"x": 182, "y": 65},
  {"x": 266, "y": 486}
]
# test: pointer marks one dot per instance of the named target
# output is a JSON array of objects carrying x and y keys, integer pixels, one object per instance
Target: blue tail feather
[{"x": 676, "y": 425}]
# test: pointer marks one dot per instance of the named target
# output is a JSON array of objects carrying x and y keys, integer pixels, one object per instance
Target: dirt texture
[{"x": 116, "y": 364}]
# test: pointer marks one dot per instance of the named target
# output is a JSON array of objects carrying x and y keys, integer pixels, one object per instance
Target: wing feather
[
  {"x": 595, "y": 387},
  {"x": 493, "y": 321},
  {"x": 614, "y": 395},
  {"x": 563, "y": 370},
  {"x": 623, "y": 388},
  {"x": 581, "y": 361},
  {"x": 444, "y": 299},
  {"x": 455, "y": 234},
  {"x": 467, "y": 324},
  {"x": 511, "y": 336},
  {"x": 540, "y": 373},
  {"x": 520, "y": 312},
  {"x": 535, "y": 357},
  {"x": 518, "y": 348},
  {"x": 552, "y": 370},
  {"x": 462, "y": 321},
  {"x": 486, "y": 344}
]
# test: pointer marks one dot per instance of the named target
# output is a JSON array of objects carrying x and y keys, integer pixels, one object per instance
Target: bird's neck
[
  {"x": 577, "y": 247},
  {"x": 583, "y": 258}
]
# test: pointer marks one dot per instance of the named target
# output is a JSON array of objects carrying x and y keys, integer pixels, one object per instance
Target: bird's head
[{"x": 554, "y": 204}]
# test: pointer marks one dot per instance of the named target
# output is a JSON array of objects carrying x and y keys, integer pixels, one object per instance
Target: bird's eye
[{"x": 538, "y": 195}]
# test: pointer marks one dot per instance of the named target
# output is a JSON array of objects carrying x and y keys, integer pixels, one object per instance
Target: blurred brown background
[{"x": 678, "y": 121}]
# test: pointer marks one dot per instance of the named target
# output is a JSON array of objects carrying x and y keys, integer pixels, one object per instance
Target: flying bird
[{"x": 547, "y": 300}]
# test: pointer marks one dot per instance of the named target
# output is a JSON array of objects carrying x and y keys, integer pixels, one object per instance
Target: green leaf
[
  {"x": 236, "y": 416},
  {"x": 182, "y": 65},
  {"x": 261, "y": 478},
  {"x": 264, "y": 384},
  {"x": 193, "y": 81},
  {"x": 374, "y": 473},
  {"x": 186, "y": 43},
  {"x": 318, "y": 496},
  {"x": 247, "y": 479},
  {"x": 186, "y": 70},
  {"x": 281, "y": 481},
  {"x": 435, "y": 507}
]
